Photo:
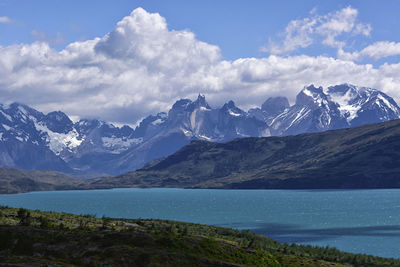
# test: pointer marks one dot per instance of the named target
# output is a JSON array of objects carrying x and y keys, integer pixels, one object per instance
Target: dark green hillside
[
  {"x": 35, "y": 238},
  {"x": 19, "y": 181},
  {"x": 362, "y": 157}
]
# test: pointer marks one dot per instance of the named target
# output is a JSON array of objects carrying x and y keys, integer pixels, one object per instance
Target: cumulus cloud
[
  {"x": 5, "y": 19},
  {"x": 330, "y": 27},
  {"x": 303, "y": 33},
  {"x": 375, "y": 51},
  {"x": 297, "y": 34},
  {"x": 142, "y": 67}
]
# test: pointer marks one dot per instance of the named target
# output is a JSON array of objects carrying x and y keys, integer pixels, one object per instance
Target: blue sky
[
  {"x": 239, "y": 28},
  {"x": 294, "y": 43}
]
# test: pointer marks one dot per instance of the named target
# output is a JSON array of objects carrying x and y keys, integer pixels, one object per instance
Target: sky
[{"x": 120, "y": 61}]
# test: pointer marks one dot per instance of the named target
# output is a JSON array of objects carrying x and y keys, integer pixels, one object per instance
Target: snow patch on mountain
[
  {"x": 186, "y": 132},
  {"x": 118, "y": 144},
  {"x": 233, "y": 113},
  {"x": 6, "y": 127},
  {"x": 57, "y": 142},
  {"x": 205, "y": 137},
  {"x": 8, "y": 117},
  {"x": 343, "y": 100},
  {"x": 386, "y": 102},
  {"x": 157, "y": 122}
]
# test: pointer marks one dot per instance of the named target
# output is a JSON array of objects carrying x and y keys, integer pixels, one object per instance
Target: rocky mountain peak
[
  {"x": 181, "y": 104},
  {"x": 311, "y": 96},
  {"x": 199, "y": 103},
  {"x": 275, "y": 105},
  {"x": 343, "y": 89},
  {"x": 231, "y": 109},
  {"x": 58, "y": 122}
]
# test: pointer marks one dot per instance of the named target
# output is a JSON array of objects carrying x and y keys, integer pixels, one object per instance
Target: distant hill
[
  {"x": 19, "y": 181},
  {"x": 363, "y": 157}
]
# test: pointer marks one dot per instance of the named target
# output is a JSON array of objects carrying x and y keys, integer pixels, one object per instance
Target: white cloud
[
  {"x": 302, "y": 33},
  {"x": 375, "y": 51},
  {"x": 297, "y": 34},
  {"x": 5, "y": 19},
  {"x": 142, "y": 67}
]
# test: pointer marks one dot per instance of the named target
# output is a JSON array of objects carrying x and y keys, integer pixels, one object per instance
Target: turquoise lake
[{"x": 360, "y": 221}]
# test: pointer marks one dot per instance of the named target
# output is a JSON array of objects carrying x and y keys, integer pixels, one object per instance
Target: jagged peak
[
  {"x": 162, "y": 115},
  {"x": 229, "y": 104},
  {"x": 181, "y": 103},
  {"x": 312, "y": 89},
  {"x": 90, "y": 122},
  {"x": 17, "y": 105},
  {"x": 201, "y": 102},
  {"x": 58, "y": 116},
  {"x": 22, "y": 111},
  {"x": 275, "y": 104},
  {"x": 201, "y": 97},
  {"x": 311, "y": 95},
  {"x": 342, "y": 89},
  {"x": 232, "y": 109},
  {"x": 346, "y": 88}
]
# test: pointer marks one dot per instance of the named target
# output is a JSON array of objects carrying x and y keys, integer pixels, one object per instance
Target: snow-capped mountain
[
  {"x": 197, "y": 120},
  {"x": 361, "y": 105},
  {"x": 30, "y": 139},
  {"x": 338, "y": 107},
  {"x": 313, "y": 112},
  {"x": 186, "y": 121}
]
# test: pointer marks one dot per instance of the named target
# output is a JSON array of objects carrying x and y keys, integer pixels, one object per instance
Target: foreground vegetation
[{"x": 31, "y": 238}]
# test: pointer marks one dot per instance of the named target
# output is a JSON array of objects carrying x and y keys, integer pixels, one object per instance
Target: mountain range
[
  {"x": 30, "y": 139},
  {"x": 366, "y": 156}
]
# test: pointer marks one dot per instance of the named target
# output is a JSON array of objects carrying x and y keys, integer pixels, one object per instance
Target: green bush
[
  {"x": 24, "y": 217},
  {"x": 44, "y": 222}
]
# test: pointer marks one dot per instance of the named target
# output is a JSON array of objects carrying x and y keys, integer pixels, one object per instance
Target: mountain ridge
[
  {"x": 367, "y": 156},
  {"x": 30, "y": 139},
  {"x": 363, "y": 157}
]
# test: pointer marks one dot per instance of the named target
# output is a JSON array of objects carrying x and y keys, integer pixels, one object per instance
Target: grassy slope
[
  {"x": 66, "y": 239},
  {"x": 361, "y": 157},
  {"x": 18, "y": 181}
]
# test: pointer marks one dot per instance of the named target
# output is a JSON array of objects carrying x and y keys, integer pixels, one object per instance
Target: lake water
[{"x": 360, "y": 221}]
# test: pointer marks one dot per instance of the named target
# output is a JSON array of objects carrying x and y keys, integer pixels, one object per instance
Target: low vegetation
[{"x": 31, "y": 237}]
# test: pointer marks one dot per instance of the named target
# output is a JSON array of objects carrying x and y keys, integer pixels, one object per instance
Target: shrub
[
  {"x": 44, "y": 222},
  {"x": 24, "y": 217}
]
